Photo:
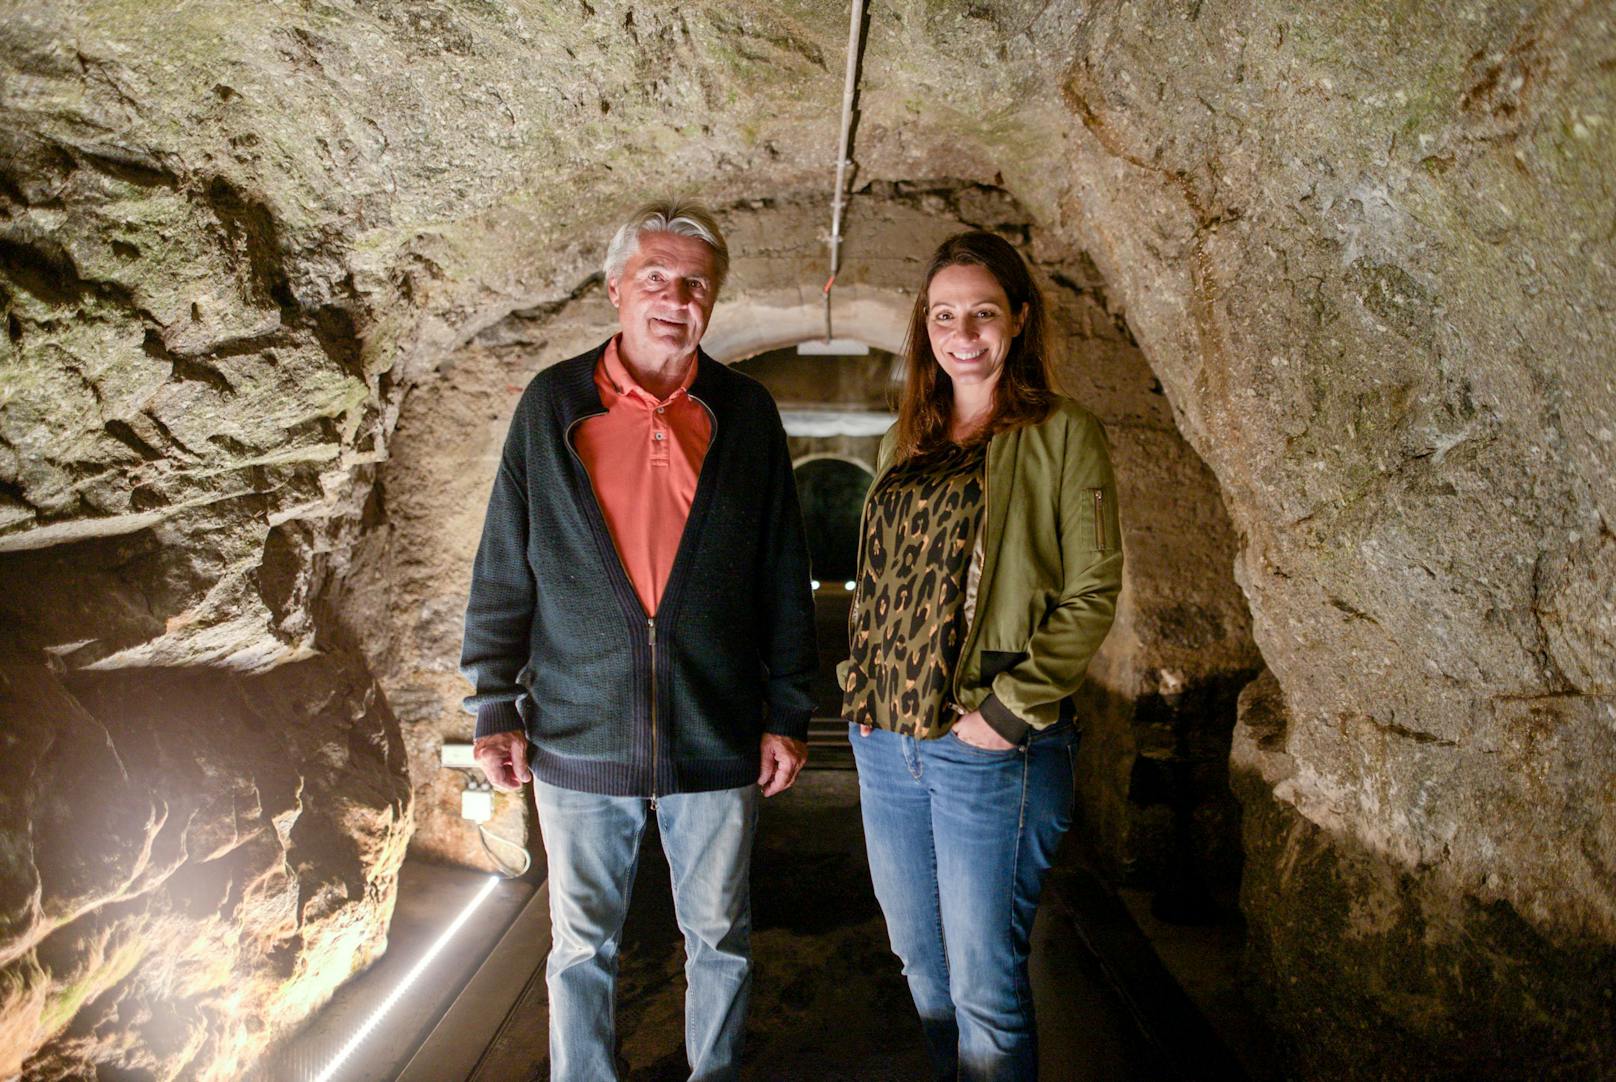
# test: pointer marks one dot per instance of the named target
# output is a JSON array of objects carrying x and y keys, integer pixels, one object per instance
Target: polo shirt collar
[{"x": 624, "y": 383}]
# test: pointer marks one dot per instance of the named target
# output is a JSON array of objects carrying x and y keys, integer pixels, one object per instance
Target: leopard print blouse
[{"x": 908, "y": 621}]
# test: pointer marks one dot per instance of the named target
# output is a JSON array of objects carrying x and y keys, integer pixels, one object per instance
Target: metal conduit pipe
[{"x": 839, "y": 196}]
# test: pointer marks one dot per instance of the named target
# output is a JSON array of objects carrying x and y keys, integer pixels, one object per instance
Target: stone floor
[{"x": 829, "y": 1003}]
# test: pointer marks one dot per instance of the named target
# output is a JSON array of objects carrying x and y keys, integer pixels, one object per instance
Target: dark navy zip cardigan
[{"x": 558, "y": 643}]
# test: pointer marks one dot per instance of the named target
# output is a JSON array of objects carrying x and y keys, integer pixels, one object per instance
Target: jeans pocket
[{"x": 987, "y": 753}]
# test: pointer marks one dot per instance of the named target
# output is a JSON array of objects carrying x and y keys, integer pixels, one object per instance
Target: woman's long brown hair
[{"x": 1025, "y": 389}]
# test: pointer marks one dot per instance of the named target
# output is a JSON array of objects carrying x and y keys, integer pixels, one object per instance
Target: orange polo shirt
[{"x": 644, "y": 456}]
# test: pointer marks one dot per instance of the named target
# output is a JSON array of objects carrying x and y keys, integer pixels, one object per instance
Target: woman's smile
[{"x": 970, "y": 323}]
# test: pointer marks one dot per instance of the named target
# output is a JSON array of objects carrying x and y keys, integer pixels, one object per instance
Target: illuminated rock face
[
  {"x": 195, "y": 859},
  {"x": 246, "y": 256}
]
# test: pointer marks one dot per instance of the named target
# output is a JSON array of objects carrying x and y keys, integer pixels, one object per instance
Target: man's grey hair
[{"x": 668, "y": 216}]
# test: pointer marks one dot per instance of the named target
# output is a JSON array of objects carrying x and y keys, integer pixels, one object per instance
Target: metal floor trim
[{"x": 455, "y": 1047}]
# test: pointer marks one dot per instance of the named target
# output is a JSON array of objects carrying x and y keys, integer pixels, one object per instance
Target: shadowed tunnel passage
[{"x": 832, "y": 492}]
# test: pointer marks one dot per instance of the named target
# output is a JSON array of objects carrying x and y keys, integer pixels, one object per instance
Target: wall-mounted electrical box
[
  {"x": 459, "y": 757},
  {"x": 477, "y": 805}
]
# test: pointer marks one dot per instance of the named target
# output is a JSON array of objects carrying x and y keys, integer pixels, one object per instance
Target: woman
[{"x": 989, "y": 567}]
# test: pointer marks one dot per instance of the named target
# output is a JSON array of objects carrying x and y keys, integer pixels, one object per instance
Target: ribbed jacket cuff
[
  {"x": 794, "y": 724},
  {"x": 1006, "y": 724},
  {"x": 498, "y": 717}
]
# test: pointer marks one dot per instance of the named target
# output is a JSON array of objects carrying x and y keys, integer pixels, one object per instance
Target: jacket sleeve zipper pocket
[{"x": 1099, "y": 519}]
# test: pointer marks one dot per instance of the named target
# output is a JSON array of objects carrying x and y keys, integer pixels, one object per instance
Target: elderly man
[{"x": 640, "y": 615}]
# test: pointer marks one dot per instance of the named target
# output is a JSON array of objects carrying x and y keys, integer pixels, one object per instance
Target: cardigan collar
[{"x": 578, "y": 397}]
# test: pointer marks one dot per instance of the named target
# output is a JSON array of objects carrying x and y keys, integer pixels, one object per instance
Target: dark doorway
[{"x": 832, "y": 494}]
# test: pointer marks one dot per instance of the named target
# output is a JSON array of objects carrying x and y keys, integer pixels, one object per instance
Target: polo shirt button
[
  {"x": 656, "y": 435},
  {"x": 662, "y": 409}
]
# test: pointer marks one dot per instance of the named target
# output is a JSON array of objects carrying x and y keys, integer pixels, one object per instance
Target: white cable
[
  {"x": 484, "y": 834},
  {"x": 844, "y": 146}
]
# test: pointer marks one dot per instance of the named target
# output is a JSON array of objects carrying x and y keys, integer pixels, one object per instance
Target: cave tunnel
[{"x": 1336, "y": 283}]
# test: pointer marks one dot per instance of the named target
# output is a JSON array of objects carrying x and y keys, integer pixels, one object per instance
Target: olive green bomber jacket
[{"x": 1051, "y": 569}]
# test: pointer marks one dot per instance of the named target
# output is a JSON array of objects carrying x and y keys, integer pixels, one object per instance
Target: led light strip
[{"x": 404, "y": 986}]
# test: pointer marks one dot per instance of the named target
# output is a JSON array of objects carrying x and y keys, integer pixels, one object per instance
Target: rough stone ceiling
[{"x": 492, "y": 141}]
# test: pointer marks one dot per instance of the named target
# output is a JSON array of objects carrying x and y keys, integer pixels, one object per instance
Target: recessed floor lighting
[{"x": 404, "y": 985}]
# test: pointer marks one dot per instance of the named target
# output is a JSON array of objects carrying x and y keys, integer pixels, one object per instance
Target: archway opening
[
  {"x": 835, "y": 408},
  {"x": 831, "y": 491}
]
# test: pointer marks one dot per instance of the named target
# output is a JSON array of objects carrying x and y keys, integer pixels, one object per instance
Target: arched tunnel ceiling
[
  {"x": 480, "y": 149},
  {"x": 1366, "y": 250}
]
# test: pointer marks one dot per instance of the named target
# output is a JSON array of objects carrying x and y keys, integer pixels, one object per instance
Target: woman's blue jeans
[{"x": 960, "y": 841}]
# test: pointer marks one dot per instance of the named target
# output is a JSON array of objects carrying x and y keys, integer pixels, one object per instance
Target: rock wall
[
  {"x": 194, "y": 860},
  {"x": 231, "y": 239},
  {"x": 1365, "y": 250},
  {"x": 1368, "y": 252}
]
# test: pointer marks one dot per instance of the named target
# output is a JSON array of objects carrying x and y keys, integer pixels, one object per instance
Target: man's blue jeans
[
  {"x": 960, "y": 841},
  {"x": 592, "y": 844}
]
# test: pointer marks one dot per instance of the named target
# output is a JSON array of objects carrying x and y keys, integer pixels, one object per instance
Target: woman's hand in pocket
[{"x": 974, "y": 730}]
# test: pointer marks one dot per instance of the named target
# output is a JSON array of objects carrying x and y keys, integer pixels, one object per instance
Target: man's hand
[
  {"x": 503, "y": 757},
  {"x": 782, "y": 759}
]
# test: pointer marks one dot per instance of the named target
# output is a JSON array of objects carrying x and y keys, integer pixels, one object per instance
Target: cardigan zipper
[
  {"x": 650, "y": 621},
  {"x": 650, "y": 624}
]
